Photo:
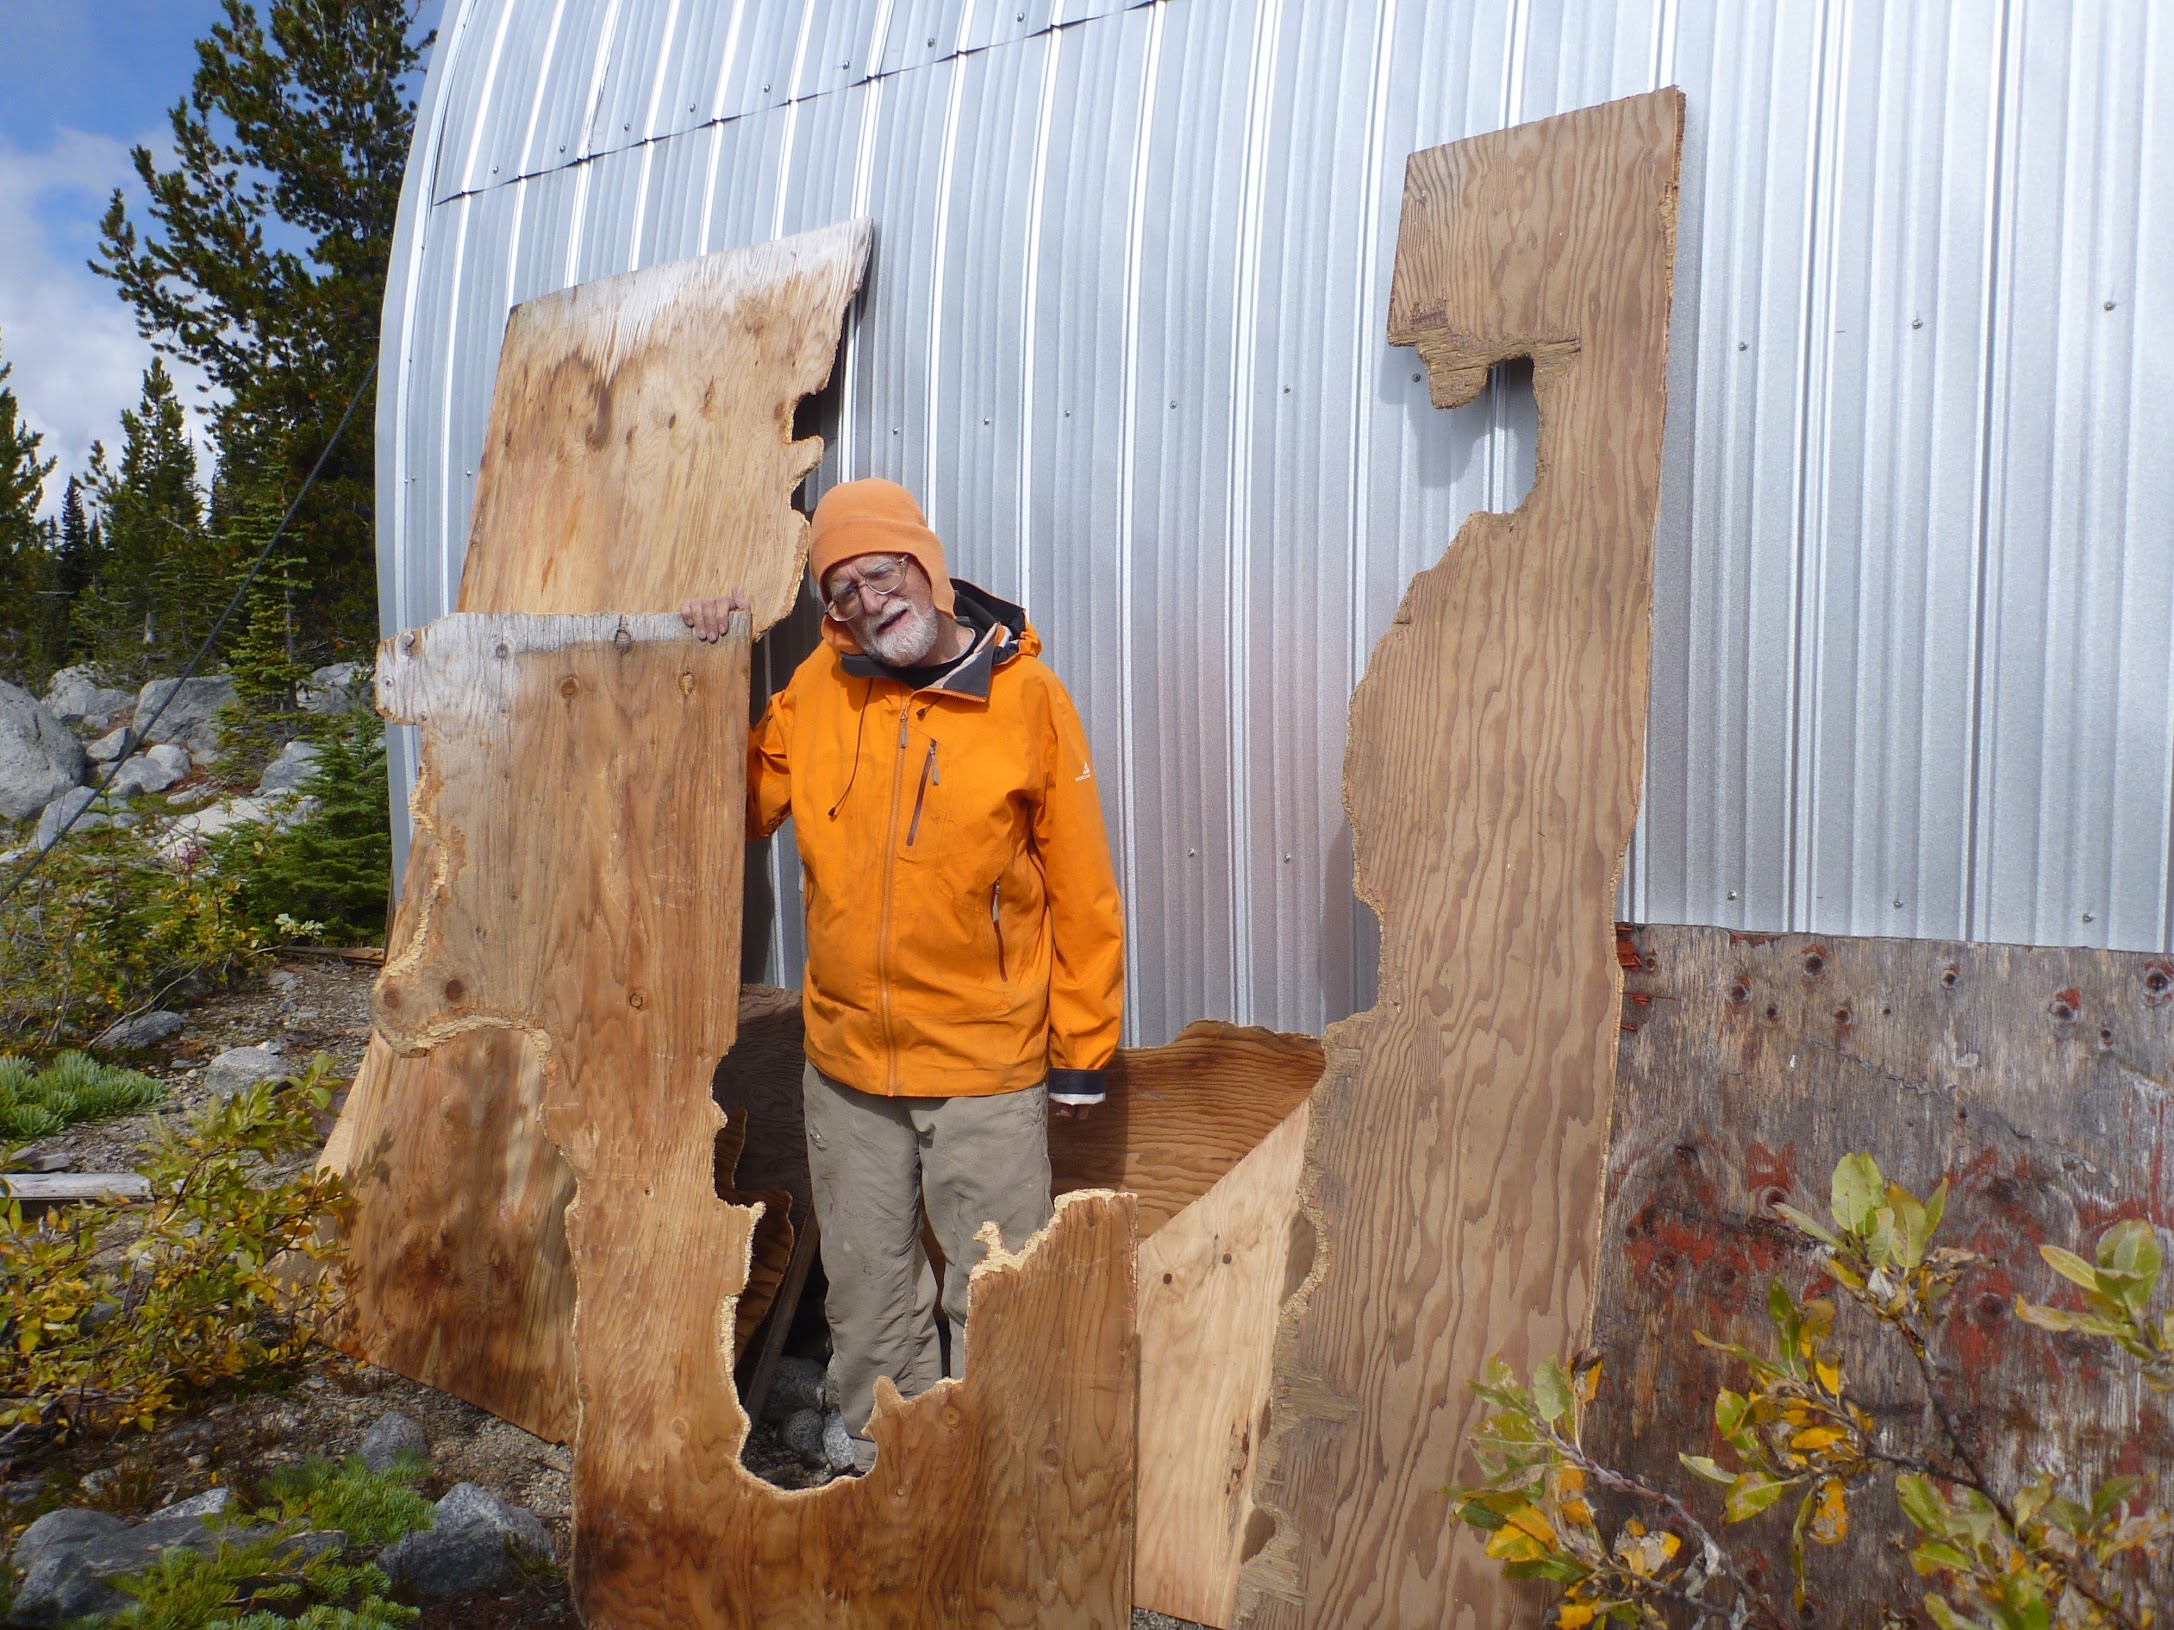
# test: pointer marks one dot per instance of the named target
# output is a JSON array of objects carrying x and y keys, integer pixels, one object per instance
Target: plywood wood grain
[
  {"x": 581, "y": 899},
  {"x": 1180, "y": 1116},
  {"x": 2034, "y": 1080},
  {"x": 1212, "y": 1281},
  {"x": 1206, "y": 1133},
  {"x": 1452, "y": 1171},
  {"x": 640, "y": 444},
  {"x": 639, "y": 450}
]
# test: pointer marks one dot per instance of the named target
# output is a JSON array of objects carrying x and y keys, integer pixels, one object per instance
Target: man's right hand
[{"x": 708, "y": 617}]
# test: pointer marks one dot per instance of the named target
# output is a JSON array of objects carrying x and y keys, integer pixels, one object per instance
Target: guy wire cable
[{"x": 133, "y": 743}]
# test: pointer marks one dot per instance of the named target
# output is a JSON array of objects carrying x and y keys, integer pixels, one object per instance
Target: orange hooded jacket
[{"x": 964, "y": 930}]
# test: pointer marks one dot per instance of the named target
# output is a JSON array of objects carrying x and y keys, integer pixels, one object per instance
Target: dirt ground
[{"x": 307, "y": 1005}]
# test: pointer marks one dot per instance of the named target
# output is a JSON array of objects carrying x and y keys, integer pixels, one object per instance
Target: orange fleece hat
[{"x": 876, "y": 517}]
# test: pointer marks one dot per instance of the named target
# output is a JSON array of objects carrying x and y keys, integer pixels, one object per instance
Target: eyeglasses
[{"x": 883, "y": 581}]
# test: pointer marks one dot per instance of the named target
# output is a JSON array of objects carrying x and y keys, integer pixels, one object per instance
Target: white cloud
[{"x": 78, "y": 359}]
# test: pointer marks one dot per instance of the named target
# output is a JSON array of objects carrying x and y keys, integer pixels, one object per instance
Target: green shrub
[
  {"x": 111, "y": 1315},
  {"x": 75, "y": 1087},
  {"x": 2000, "y": 1555},
  {"x": 106, "y": 927}
]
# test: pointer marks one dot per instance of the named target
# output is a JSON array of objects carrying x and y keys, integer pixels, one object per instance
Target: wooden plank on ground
[
  {"x": 570, "y": 765},
  {"x": 37, "y": 1191},
  {"x": 1452, "y": 1171},
  {"x": 2036, "y": 1081},
  {"x": 639, "y": 449}
]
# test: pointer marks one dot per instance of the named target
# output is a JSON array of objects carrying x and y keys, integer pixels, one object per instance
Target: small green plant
[
  {"x": 2029, "y": 1558},
  {"x": 75, "y": 1087},
  {"x": 110, "y": 1315},
  {"x": 372, "y": 1508},
  {"x": 268, "y": 1582},
  {"x": 258, "y": 1586}
]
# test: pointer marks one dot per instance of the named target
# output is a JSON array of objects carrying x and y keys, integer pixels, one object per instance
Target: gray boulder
[
  {"x": 152, "y": 770},
  {"x": 71, "y": 1558},
  {"x": 287, "y": 772},
  {"x": 192, "y": 718},
  {"x": 133, "y": 1035},
  {"x": 76, "y": 697},
  {"x": 63, "y": 1530},
  {"x": 392, "y": 1436},
  {"x": 111, "y": 745},
  {"x": 797, "y": 1384},
  {"x": 240, "y": 1068},
  {"x": 334, "y": 689},
  {"x": 471, "y": 1544},
  {"x": 39, "y": 756},
  {"x": 57, "y": 815},
  {"x": 803, "y": 1434},
  {"x": 207, "y": 1504},
  {"x": 837, "y": 1443}
]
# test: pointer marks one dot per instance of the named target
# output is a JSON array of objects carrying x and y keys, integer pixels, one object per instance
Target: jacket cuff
[{"x": 1075, "y": 1087}]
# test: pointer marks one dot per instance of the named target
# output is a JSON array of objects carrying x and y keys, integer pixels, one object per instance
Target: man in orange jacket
[{"x": 965, "y": 941}]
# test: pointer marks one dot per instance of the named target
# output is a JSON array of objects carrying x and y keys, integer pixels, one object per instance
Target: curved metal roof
[{"x": 1123, "y": 332}]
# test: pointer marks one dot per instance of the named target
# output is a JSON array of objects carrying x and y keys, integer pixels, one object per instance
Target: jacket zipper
[
  {"x": 996, "y": 918},
  {"x": 929, "y": 774},
  {"x": 883, "y": 928}
]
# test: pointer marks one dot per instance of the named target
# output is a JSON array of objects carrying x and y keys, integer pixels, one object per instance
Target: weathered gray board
[{"x": 2036, "y": 1081}]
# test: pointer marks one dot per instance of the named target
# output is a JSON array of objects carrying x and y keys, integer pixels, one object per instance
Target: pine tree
[
  {"x": 265, "y": 657},
  {"x": 78, "y": 554},
  {"x": 333, "y": 868},
  {"x": 26, "y": 554},
  {"x": 158, "y": 584},
  {"x": 296, "y": 127}
]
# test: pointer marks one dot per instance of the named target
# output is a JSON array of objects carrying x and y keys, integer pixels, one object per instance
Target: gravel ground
[{"x": 306, "y": 1005}]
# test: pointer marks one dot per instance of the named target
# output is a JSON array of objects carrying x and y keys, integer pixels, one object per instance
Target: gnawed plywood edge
[
  {"x": 1451, "y": 1181},
  {"x": 1006, "y": 1498},
  {"x": 640, "y": 444},
  {"x": 585, "y": 503}
]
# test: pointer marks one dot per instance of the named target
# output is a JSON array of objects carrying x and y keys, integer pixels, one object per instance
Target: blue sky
[{"x": 81, "y": 81}]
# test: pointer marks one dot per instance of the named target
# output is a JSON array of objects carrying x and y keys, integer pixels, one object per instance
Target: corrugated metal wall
[{"x": 1913, "y": 666}]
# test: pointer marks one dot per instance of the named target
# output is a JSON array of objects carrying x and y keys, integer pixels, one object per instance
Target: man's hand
[
  {"x": 1072, "y": 1112},
  {"x": 708, "y": 617}
]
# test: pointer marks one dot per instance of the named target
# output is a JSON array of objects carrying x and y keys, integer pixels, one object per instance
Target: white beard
[{"x": 907, "y": 641}]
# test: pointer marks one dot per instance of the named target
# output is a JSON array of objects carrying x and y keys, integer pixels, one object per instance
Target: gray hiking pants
[{"x": 874, "y": 1163}]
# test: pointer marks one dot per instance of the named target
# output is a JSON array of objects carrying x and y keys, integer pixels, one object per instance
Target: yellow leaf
[
  {"x": 1830, "y": 1377},
  {"x": 1573, "y": 1616},
  {"x": 1816, "y": 1437},
  {"x": 1830, "y": 1519},
  {"x": 1577, "y": 1511},
  {"x": 1571, "y": 1480}
]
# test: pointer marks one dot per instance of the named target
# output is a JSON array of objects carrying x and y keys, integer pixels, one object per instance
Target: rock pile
[{"x": 70, "y": 1560}]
